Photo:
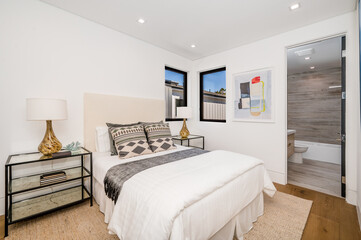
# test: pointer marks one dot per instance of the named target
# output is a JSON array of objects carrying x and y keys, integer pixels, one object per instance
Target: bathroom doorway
[{"x": 316, "y": 116}]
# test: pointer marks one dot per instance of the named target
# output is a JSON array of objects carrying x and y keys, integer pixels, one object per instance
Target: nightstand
[
  {"x": 26, "y": 196},
  {"x": 187, "y": 140}
]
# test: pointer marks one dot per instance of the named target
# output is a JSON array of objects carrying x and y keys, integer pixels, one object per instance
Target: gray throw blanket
[{"x": 118, "y": 174}]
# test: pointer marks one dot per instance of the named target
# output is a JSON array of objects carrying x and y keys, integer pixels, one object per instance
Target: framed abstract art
[{"x": 253, "y": 96}]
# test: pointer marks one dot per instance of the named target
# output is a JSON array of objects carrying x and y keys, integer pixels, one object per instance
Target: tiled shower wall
[{"x": 314, "y": 109}]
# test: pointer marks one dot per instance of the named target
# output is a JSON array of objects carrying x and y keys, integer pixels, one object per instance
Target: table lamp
[
  {"x": 44, "y": 109},
  {"x": 184, "y": 112}
]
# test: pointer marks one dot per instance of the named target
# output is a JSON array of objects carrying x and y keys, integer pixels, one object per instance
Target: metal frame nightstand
[
  {"x": 53, "y": 196},
  {"x": 190, "y": 137}
]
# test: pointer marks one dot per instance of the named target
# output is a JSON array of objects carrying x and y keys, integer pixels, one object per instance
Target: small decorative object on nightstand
[
  {"x": 184, "y": 112},
  {"x": 42, "y": 109},
  {"x": 186, "y": 140},
  {"x": 55, "y": 188},
  {"x": 73, "y": 146}
]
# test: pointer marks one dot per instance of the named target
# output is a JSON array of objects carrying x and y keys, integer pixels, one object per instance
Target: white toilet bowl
[
  {"x": 297, "y": 157},
  {"x": 300, "y": 149}
]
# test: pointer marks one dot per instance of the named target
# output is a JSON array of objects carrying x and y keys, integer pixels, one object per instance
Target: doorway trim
[
  {"x": 343, "y": 135},
  {"x": 342, "y": 34}
]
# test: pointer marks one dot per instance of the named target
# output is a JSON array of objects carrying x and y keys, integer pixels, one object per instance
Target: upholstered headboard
[{"x": 99, "y": 109}]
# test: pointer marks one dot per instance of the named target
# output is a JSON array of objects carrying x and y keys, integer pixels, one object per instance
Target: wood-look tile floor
[{"x": 319, "y": 176}]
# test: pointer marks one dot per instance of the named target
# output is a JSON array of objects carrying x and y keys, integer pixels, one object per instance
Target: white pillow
[{"x": 102, "y": 143}]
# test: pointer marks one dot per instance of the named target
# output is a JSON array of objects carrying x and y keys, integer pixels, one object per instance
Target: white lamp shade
[
  {"x": 184, "y": 112},
  {"x": 46, "y": 109}
]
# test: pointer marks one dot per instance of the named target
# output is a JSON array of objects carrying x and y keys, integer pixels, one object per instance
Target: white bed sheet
[
  {"x": 242, "y": 221},
  {"x": 102, "y": 162},
  {"x": 204, "y": 218},
  {"x": 249, "y": 208}
]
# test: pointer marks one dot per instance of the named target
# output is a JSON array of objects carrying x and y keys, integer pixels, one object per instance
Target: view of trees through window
[
  {"x": 213, "y": 95},
  {"x": 175, "y": 92}
]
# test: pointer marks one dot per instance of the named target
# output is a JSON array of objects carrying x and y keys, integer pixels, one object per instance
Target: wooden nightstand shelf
[
  {"x": 26, "y": 197},
  {"x": 187, "y": 140}
]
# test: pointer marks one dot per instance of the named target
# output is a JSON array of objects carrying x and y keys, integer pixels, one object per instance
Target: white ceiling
[
  {"x": 212, "y": 25},
  {"x": 327, "y": 54}
]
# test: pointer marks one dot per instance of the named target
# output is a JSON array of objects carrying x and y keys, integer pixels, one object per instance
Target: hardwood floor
[
  {"x": 330, "y": 217},
  {"x": 316, "y": 175}
]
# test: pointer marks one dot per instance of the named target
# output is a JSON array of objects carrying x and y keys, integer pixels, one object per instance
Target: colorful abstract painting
[{"x": 253, "y": 96}]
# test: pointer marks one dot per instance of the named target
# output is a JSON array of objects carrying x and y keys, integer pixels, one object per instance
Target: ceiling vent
[{"x": 305, "y": 52}]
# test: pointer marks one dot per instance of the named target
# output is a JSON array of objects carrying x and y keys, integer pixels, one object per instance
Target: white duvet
[{"x": 152, "y": 200}]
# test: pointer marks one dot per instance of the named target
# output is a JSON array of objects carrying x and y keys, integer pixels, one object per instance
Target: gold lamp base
[
  {"x": 184, "y": 133},
  {"x": 50, "y": 143}
]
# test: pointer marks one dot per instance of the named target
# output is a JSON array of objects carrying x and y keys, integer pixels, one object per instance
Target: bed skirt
[{"x": 239, "y": 225}]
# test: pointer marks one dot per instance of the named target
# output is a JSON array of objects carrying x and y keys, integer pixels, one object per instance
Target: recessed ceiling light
[
  {"x": 313, "y": 67},
  {"x": 193, "y": 46},
  {"x": 307, "y": 58},
  {"x": 294, "y": 6},
  {"x": 141, "y": 20}
]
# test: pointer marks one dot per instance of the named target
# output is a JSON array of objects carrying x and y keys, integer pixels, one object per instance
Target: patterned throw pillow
[
  {"x": 130, "y": 141},
  {"x": 159, "y": 137},
  {"x": 113, "y": 151}
]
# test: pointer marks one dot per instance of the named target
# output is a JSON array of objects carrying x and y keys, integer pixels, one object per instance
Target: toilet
[{"x": 297, "y": 157}]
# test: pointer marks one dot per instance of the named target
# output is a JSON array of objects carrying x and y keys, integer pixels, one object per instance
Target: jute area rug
[{"x": 285, "y": 217}]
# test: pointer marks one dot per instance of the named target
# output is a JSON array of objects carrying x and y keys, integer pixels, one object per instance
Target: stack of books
[{"x": 52, "y": 177}]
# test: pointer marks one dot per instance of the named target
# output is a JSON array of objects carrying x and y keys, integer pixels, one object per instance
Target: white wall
[
  {"x": 268, "y": 140},
  {"x": 47, "y": 52}
]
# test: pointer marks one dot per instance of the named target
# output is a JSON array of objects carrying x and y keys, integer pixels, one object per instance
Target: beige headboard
[{"x": 99, "y": 109}]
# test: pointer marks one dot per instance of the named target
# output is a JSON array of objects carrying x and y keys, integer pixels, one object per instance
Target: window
[
  {"x": 213, "y": 95},
  {"x": 175, "y": 92}
]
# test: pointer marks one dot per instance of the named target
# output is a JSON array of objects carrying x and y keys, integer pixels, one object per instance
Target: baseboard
[
  {"x": 351, "y": 197},
  {"x": 277, "y": 177}
]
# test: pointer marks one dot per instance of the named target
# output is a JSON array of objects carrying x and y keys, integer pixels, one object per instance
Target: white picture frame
[{"x": 256, "y": 103}]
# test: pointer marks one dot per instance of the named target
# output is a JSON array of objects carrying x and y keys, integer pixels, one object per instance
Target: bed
[{"x": 215, "y": 195}]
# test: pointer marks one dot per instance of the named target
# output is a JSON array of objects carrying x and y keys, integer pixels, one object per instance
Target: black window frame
[
  {"x": 201, "y": 74},
  {"x": 185, "y": 90}
]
